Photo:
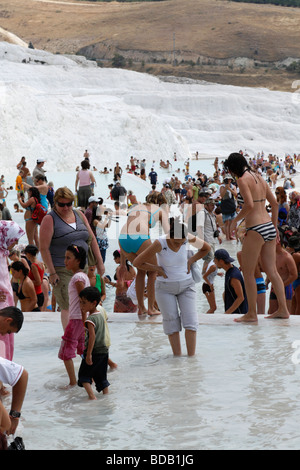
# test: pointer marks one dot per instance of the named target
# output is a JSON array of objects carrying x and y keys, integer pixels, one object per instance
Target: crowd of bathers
[{"x": 202, "y": 199}]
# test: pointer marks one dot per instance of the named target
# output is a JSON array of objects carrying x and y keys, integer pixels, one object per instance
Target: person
[
  {"x": 83, "y": 184},
  {"x": 287, "y": 270},
  {"x": 281, "y": 197},
  {"x": 90, "y": 212},
  {"x": 36, "y": 272},
  {"x": 97, "y": 281},
  {"x": 73, "y": 337},
  {"x": 61, "y": 227},
  {"x": 228, "y": 194},
  {"x": 294, "y": 212},
  {"x": 50, "y": 194},
  {"x": 10, "y": 234},
  {"x": 143, "y": 174},
  {"x": 261, "y": 234},
  {"x": 39, "y": 169},
  {"x": 26, "y": 291},
  {"x": 118, "y": 192},
  {"x": 101, "y": 233},
  {"x": 153, "y": 177},
  {"x": 21, "y": 163},
  {"x": 209, "y": 274},
  {"x": 122, "y": 303},
  {"x": 169, "y": 195},
  {"x": 4, "y": 425},
  {"x": 260, "y": 284},
  {"x": 117, "y": 172},
  {"x": 135, "y": 238},
  {"x": 26, "y": 176},
  {"x": 235, "y": 299},
  {"x": 94, "y": 363},
  {"x": 19, "y": 182},
  {"x": 30, "y": 225},
  {"x": 17, "y": 208},
  {"x": 16, "y": 376},
  {"x": 293, "y": 247},
  {"x": 211, "y": 230},
  {"x": 131, "y": 198},
  {"x": 175, "y": 288},
  {"x": 42, "y": 186},
  {"x": 5, "y": 213},
  {"x": 3, "y": 194}
]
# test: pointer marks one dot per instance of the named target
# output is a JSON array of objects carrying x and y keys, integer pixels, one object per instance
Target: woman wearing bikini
[
  {"x": 135, "y": 238},
  {"x": 261, "y": 234}
]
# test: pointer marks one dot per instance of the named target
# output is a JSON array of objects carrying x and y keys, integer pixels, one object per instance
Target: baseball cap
[
  {"x": 40, "y": 160},
  {"x": 224, "y": 255},
  {"x": 228, "y": 177},
  {"x": 209, "y": 200},
  {"x": 93, "y": 199}
]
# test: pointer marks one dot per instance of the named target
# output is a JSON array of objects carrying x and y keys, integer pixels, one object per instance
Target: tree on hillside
[{"x": 118, "y": 61}]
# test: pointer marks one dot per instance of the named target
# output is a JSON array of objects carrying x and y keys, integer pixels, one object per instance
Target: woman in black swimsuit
[{"x": 26, "y": 291}]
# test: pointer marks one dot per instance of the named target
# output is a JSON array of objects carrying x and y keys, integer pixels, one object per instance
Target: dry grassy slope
[{"x": 212, "y": 28}]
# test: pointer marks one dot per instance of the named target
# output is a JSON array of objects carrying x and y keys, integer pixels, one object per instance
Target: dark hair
[
  {"x": 19, "y": 266},
  {"x": 79, "y": 253},
  {"x": 85, "y": 164},
  {"x": 31, "y": 249},
  {"x": 117, "y": 254},
  {"x": 92, "y": 294},
  {"x": 15, "y": 314},
  {"x": 177, "y": 229},
  {"x": 41, "y": 177},
  {"x": 236, "y": 164},
  {"x": 35, "y": 193}
]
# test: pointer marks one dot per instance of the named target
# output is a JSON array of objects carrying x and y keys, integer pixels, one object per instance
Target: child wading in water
[
  {"x": 95, "y": 359},
  {"x": 74, "y": 335}
]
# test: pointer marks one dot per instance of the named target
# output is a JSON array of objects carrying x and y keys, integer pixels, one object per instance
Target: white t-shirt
[
  {"x": 174, "y": 263},
  {"x": 10, "y": 372}
]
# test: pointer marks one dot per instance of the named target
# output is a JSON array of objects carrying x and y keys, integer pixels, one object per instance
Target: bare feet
[
  {"x": 113, "y": 365},
  {"x": 247, "y": 318},
  {"x": 278, "y": 314},
  {"x": 151, "y": 313},
  {"x": 210, "y": 311},
  {"x": 67, "y": 387},
  {"x": 142, "y": 311}
]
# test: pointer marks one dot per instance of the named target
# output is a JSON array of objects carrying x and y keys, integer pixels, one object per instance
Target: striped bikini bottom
[{"x": 267, "y": 231}]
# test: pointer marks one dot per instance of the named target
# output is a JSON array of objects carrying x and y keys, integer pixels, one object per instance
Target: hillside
[{"x": 203, "y": 36}]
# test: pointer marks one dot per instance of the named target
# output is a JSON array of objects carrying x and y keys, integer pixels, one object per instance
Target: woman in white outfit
[{"x": 175, "y": 288}]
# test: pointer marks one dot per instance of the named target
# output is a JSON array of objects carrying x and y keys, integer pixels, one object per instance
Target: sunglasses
[{"x": 63, "y": 204}]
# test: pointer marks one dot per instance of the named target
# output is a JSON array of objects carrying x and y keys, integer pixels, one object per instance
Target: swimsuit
[
  {"x": 266, "y": 230},
  {"x": 288, "y": 293},
  {"x": 20, "y": 294},
  {"x": 131, "y": 243},
  {"x": 261, "y": 286}
]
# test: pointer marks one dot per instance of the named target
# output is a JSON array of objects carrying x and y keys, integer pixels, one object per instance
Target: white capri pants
[{"x": 177, "y": 303}]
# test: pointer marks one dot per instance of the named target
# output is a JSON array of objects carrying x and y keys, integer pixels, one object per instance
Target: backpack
[{"x": 39, "y": 212}]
